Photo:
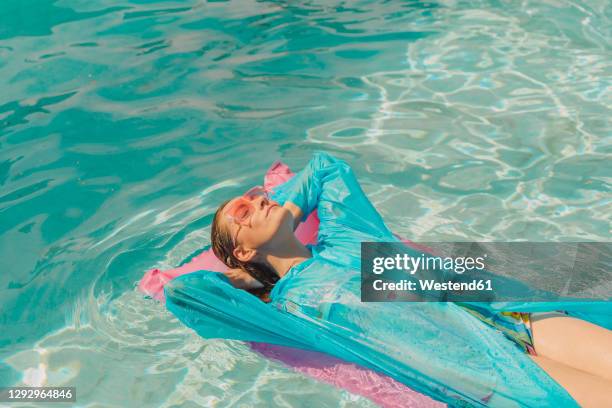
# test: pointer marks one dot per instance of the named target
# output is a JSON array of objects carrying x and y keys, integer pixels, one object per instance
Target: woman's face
[{"x": 266, "y": 224}]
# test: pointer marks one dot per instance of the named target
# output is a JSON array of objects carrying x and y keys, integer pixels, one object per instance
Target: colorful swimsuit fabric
[
  {"x": 515, "y": 325},
  {"x": 439, "y": 349}
]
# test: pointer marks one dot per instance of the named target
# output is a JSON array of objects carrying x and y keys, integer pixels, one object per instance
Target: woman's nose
[{"x": 263, "y": 202}]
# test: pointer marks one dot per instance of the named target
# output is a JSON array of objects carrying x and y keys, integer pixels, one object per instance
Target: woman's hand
[{"x": 242, "y": 280}]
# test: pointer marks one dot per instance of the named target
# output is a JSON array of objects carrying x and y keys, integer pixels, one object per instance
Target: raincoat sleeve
[
  {"x": 329, "y": 185},
  {"x": 208, "y": 303}
]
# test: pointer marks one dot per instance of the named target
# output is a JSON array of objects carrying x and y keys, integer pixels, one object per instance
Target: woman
[{"x": 439, "y": 348}]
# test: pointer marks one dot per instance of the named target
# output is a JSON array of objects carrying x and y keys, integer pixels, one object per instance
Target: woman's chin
[
  {"x": 278, "y": 213},
  {"x": 282, "y": 221}
]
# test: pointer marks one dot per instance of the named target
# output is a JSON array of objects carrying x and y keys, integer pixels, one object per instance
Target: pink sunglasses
[{"x": 243, "y": 208}]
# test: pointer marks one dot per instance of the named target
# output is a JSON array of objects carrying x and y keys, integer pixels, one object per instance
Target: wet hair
[{"x": 223, "y": 248}]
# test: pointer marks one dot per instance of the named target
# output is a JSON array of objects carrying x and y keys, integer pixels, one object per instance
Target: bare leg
[
  {"x": 588, "y": 390},
  {"x": 574, "y": 343}
]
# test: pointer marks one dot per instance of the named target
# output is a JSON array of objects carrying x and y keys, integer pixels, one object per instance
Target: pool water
[{"x": 123, "y": 124}]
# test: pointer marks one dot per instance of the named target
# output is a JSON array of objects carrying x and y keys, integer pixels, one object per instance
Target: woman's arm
[
  {"x": 329, "y": 184},
  {"x": 295, "y": 211},
  {"x": 241, "y": 279}
]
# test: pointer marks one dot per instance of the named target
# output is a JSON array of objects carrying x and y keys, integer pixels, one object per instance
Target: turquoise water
[{"x": 123, "y": 124}]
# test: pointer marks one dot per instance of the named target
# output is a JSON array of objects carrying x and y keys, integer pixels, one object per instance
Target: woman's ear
[{"x": 244, "y": 254}]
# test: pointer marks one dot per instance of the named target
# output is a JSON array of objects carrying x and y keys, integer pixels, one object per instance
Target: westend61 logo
[{"x": 485, "y": 272}]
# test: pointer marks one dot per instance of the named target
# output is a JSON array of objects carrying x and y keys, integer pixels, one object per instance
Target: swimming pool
[{"x": 123, "y": 124}]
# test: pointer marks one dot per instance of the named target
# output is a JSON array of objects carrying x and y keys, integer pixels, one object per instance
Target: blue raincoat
[{"x": 438, "y": 349}]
